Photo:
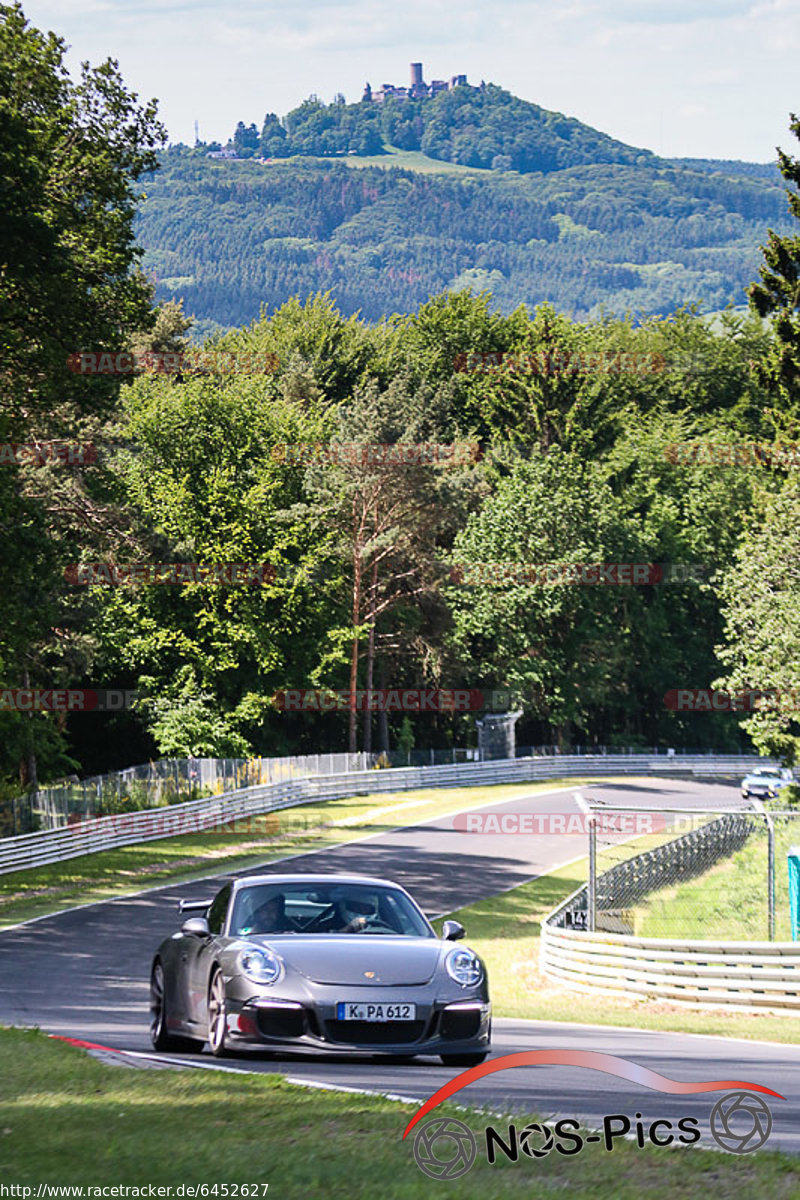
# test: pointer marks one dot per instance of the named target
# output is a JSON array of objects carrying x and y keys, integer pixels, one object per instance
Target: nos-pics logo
[{"x": 446, "y": 1148}]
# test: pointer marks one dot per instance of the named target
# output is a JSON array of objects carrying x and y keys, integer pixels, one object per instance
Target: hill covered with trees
[
  {"x": 638, "y": 236},
  {"x": 467, "y": 125}
]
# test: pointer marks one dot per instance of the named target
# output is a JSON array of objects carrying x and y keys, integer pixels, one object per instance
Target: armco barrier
[
  {"x": 752, "y": 975},
  {"x": 106, "y": 833},
  {"x": 719, "y": 974}
]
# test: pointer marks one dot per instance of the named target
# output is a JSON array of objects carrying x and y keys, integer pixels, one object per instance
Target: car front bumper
[{"x": 444, "y": 1026}]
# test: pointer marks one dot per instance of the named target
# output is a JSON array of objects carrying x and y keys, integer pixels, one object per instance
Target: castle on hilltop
[{"x": 418, "y": 90}]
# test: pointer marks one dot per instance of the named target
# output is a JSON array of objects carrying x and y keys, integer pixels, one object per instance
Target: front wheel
[
  {"x": 463, "y": 1060},
  {"x": 218, "y": 1016}
]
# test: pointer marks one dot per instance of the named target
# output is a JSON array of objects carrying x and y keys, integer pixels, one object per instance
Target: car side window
[{"x": 218, "y": 909}]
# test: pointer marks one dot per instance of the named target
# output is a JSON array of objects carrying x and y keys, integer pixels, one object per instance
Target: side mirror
[
  {"x": 452, "y": 931},
  {"x": 197, "y": 926}
]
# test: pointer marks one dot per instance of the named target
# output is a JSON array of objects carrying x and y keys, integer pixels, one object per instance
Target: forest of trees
[
  {"x": 583, "y": 428},
  {"x": 229, "y": 237}
]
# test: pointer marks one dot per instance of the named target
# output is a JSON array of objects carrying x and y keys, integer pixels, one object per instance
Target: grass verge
[
  {"x": 128, "y": 869},
  {"x": 505, "y": 931},
  {"x": 729, "y": 901},
  {"x": 67, "y": 1119}
]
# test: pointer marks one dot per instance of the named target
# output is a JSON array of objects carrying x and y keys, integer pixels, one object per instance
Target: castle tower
[{"x": 416, "y": 74}]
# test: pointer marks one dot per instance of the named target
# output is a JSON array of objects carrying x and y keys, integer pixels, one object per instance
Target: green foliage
[
  {"x": 472, "y": 126},
  {"x": 593, "y": 408},
  {"x": 240, "y": 236},
  {"x": 208, "y": 482},
  {"x": 71, "y": 154},
  {"x": 760, "y": 596},
  {"x": 778, "y": 294},
  {"x": 405, "y": 738}
]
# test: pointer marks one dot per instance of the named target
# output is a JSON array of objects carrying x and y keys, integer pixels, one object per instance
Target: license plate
[{"x": 346, "y": 1011}]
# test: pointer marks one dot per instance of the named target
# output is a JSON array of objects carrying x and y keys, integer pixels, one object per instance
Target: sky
[{"x": 711, "y": 79}]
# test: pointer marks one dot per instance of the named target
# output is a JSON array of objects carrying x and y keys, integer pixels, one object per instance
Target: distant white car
[{"x": 766, "y": 782}]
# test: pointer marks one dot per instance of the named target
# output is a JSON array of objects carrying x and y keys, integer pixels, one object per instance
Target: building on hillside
[{"x": 419, "y": 89}]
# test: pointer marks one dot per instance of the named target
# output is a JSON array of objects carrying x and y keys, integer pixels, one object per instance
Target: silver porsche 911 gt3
[{"x": 323, "y": 962}]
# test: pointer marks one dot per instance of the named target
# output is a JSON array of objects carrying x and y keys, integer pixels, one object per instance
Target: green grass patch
[
  {"x": 67, "y": 1119},
  {"x": 409, "y": 160},
  {"x": 128, "y": 869},
  {"x": 728, "y": 902},
  {"x": 505, "y": 931}
]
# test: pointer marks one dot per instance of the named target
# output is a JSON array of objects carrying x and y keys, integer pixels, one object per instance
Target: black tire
[
  {"x": 160, "y": 1036},
  {"x": 217, "y": 1016},
  {"x": 464, "y": 1060}
]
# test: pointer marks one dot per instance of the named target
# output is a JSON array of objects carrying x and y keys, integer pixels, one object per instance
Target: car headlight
[
  {"x": 464, "y": 966},
  {"x": 262, "y": 966}
]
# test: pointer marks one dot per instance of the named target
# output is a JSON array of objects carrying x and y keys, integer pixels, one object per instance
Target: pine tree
[{"x": 779, "y": 293}]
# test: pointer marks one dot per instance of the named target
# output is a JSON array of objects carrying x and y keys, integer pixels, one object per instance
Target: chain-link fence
[
  {"x": 173, "y": 781},
  {"x": 699, "y": 874},
  {"x": 157, "y": 784}
]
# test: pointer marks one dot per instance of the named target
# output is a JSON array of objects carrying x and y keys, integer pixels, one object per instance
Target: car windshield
[
  {"x": 325, "y": 909},
  {"x": 768, "y": 772}
]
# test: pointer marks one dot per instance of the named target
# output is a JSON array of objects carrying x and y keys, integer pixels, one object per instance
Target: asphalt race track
[{"x": 84, "y": 974}]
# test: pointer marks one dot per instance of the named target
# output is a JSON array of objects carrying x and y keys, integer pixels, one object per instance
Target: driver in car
[
  {"x": 355, "y": 913},
  {"x": 344, "y": 914}
]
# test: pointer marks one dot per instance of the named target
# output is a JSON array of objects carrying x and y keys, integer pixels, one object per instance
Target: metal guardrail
[
  {"x": 750, "y": 975},
  {"x": 178, "y": 780},
  {"x": 160, "y": 783},
  {"x": 105, "y": 833},
  {"x": 757, "y": 975}
]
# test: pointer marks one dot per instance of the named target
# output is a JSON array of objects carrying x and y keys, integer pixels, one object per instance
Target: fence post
[
  {"x": 591, "y": 916},
  {"x": 759, "y": 807},
  {"x": 771, "y": 881}
]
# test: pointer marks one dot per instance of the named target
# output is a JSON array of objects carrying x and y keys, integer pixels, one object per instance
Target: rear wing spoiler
[{"x": 193, "y": 905}]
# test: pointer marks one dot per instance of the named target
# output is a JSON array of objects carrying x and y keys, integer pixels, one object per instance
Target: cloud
[{"x": 628, "y": 67}]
